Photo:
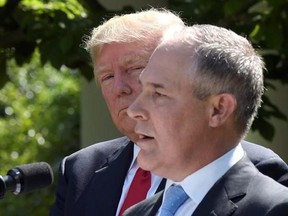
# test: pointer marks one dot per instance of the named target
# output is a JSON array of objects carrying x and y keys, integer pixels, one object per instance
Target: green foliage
[
  {"x": 57, "y": 29},
  {"x": 54, "y": 27},
  {"x": 264, "y": 22},
  {"x": 39, "y": 107},
  {"x": 39, "y": 121}
]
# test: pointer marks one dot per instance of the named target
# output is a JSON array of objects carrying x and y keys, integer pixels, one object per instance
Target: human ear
[{"x": 222, "y": 107}]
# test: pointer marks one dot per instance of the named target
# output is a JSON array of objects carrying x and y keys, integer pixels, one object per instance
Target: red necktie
[{"x": 138, "y": 189}]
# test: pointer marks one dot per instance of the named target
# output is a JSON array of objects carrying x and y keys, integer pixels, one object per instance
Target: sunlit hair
[
  {"x": 145, "y": 26},
  {"x": 224, "y": 62}
]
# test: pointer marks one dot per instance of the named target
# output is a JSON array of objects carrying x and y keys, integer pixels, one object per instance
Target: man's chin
[{"x": 145, "y": 160}]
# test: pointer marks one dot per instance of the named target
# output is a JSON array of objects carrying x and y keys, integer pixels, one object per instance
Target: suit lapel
[
  {"x": 148, "y": 207},
  {"x": 219, "y": 205},
  {"x": 158, "y": 201},
  {"x": 103, "y": 192},
  {"x": 222, "y": 198},
  {"x": 161, "y": 187}
]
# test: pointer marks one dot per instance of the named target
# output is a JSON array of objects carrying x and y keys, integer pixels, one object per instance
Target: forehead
[
  {"x": 167, "y": 65},
  {"x": 122, "y": 54}
]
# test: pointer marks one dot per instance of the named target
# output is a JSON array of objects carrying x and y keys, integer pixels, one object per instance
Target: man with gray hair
[
  {"x": 105, "y": 178},
  {"x": 191, "y": 118}
]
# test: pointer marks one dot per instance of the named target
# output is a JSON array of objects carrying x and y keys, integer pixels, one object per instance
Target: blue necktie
[{"x": 175, "y": 196}]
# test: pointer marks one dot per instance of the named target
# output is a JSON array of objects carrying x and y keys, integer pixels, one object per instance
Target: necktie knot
[
  {"x": 175, "y": 196},
  {"x": 144, "y": 174}
]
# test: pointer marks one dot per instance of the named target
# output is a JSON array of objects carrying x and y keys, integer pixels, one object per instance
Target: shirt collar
[
  {"x": 134, "y": 163},
  {"x": 200, "y": 182}
]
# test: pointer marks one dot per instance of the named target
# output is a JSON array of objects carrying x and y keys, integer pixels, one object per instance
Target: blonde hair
[{"x": 145, "y": 26}]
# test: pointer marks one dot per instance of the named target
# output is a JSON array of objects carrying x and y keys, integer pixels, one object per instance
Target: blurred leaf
[
  {"x": 43, "y": 103},
  {"x": 232, "y": 7},
  {"x": 66, "y": 42},
  {"x": 39, "y": 121},
  {"x": 255, "y": 32},
  {"x": 3, "y": 74},
  {"x": 273, "y": 34},
  {"x": 265, "y": 129}
]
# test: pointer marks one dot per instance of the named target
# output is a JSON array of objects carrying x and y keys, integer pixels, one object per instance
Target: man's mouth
[{"x": 145, "y": 137}]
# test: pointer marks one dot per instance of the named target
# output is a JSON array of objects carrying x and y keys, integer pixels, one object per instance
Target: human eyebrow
[
  {"x": 101, "y": 69},
  {"x": 132, "y": 60},
  {"x": 100, "y": 72},
  {"x": 156, "y": 85},
  {"x": 153, "y": 85}
]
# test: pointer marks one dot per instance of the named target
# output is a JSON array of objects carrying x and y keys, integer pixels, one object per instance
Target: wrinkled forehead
[
  {"x": 120, "y": 53},
  {"x": 147, "y": 44}
]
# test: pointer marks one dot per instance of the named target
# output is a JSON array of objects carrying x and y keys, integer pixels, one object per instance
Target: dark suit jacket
[
  {"x": 91, "y": 180},
  {"x": 242, "y": 191}
]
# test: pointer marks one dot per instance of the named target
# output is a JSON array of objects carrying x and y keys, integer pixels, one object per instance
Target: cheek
[
  {"x": 167, "y": 133},
  {"x": 135, "y": 86},
  {"x": 173, "y": 123},
  {"x": 179, "y": 127},
  {"x": 137, "y": 89},
  {"x": 110, "y": 102},
  {"x": 107, "y": 95}
]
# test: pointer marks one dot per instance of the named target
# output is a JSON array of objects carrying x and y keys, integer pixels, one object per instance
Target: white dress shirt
[
  {"x": 155, "y": 180},
  {"x": 200, "y": 182}
]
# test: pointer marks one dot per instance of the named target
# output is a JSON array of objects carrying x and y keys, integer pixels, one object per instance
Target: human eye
[
  {"x": 105, "y": 77},
  {"x": 157, "y": 94},
  {"x": 137, "y": 68}
]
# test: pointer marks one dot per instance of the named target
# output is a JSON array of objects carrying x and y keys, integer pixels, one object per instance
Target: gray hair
[
  {"x": 225, "y": 62},
  {"x": 146, "y": 26}
]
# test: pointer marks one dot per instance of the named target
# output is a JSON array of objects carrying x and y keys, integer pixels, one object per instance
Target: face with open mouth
[{"x": 169, "y": 119}]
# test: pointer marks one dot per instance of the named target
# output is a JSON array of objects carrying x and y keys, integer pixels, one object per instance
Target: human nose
[
  {"x": 121, "y": 86},
  {"x": 137, "y": 110}
]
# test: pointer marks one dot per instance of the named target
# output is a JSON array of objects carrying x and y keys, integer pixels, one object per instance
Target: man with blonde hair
[{"x": 104, "y": 178}]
